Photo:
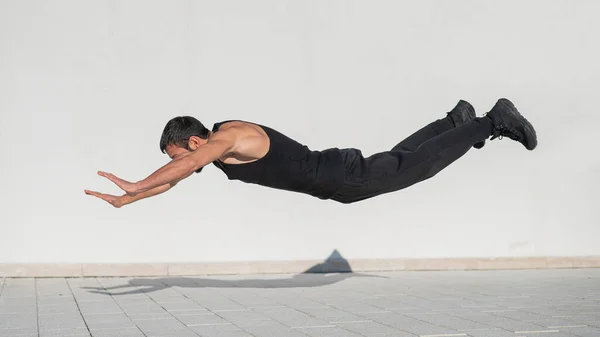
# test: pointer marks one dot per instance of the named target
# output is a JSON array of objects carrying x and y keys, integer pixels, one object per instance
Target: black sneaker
[
  {"x": 508, "y": 122},
  {"x": 462, "y": 113}
]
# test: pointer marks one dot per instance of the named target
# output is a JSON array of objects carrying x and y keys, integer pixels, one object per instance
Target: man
[{"x": 257, "y": 154}]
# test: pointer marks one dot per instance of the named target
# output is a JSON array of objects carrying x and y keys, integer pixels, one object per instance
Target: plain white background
[{"x": 89, "y": 85}]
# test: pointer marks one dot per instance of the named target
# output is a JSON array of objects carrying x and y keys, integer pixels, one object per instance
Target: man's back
[
  {"x": 251, "y": 142},
  {"x": 264, "y": 156}
]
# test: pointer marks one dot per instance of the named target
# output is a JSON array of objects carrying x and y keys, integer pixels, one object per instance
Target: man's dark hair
[{"x": 179, "y": 130}]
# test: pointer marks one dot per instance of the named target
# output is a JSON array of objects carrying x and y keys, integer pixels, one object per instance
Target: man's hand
[
  {"x": 129, "y": 187},
  {"x": 116, "y": 201}
]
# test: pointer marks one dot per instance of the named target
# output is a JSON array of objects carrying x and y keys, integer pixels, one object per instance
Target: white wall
[{"x": 89, "y": 85}]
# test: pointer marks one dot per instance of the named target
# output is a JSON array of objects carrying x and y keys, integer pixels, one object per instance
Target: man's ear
[{"x": 194, "y": 142}]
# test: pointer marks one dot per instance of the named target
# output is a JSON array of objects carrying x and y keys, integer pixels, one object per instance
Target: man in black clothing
[{"x": 257, "y": 154}]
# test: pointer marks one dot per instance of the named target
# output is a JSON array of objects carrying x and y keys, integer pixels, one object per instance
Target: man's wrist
[
  {"x": 126, "y": 199},
  {"x": 137, "y": 188}
]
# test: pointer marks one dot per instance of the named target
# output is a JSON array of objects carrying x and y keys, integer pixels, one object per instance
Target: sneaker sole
[{"x": 530, "y": 133}]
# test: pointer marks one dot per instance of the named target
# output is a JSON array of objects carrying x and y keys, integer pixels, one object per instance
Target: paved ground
[{"x": 545, "y": 303}]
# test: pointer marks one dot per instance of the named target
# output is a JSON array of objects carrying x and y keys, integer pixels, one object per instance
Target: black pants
[{"x": 417, "y": 158}]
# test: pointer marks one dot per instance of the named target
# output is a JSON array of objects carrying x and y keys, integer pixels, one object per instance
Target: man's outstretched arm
[
  {"x": 183, "y": 166},
  {"x": 125, "y": 199},
  {"x": 179, "y": 168}
]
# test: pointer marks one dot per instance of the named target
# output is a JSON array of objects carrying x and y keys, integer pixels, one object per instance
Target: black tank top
[{"x": 290, "y": 166}]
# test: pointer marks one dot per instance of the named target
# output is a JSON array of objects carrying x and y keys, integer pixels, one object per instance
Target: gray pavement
[{"x": 541, "y": 303}]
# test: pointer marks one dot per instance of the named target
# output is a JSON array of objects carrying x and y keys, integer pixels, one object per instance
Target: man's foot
[
  {"x": 462, "y": 113},
  {"x": 508, "y": 122}
]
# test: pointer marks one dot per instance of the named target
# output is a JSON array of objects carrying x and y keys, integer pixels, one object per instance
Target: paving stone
[
  {"x": 170, "y": 333},
  {"x": 502, "y": 322},
  {"x": 582, "y": 331},
  {"x": 118, "y": 332},
  {"x": 244, "y": 318},
  {"x": 65, "y": 332},
  {"x": 61, "y": 321},
  {"x": 19, "y": 332},
  {"x": 220, "y": 331},
  {"x": 274, "y": 330},
  {"x": 327, "y": 332},
  {"x": 455, "y": 323},
  {"x": 370, "y": 328},
  {"x": 186, "y": 305},
  {"x": 330, "y": 314},
  {"x": 108, "y": 321},
  {"x": 18, "y": 321},
  {"x": 102, "y": 307},
  {"x": 294, "y": 318},
  {"x": 160, "y": 324},
  {"x": 500, "y": 333},
  {"x": 205, "y": 319},
  {"x": 147, "y": 316}
]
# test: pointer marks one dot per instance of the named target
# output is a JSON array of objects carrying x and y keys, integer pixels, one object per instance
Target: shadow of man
[{"x": 332, "y": 270}]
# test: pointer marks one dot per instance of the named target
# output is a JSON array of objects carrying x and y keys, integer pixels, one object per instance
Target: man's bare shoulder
[
  {"x": 249, "y": 141},
  {"x": 240, "y": 129},
  {"x": 239, "y": 125}
]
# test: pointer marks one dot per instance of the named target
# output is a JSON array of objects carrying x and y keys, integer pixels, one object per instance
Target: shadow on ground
[{"x": 332, "y": 270}]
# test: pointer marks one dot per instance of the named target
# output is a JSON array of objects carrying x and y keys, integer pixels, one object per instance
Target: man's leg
[
  {"x": 462, "y": 113},
  {"x": 394, "y": 170}
]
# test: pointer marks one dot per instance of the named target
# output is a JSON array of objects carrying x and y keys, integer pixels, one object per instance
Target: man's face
[{"x": 174, "y": 151}]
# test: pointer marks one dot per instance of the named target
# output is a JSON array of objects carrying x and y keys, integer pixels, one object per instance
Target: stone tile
[
  {"x": 330, "y": 314},
  {"x": 118, "y": 332},
  {"x": 553, "y": 323},
  {"x": 220, "y": 304},
  {"x": 499, "y": 333},
  {"x": 18, "y": 333},
  {"x": 141, "y": 308},
  {"x": 65, "y": 332},
  {"x": 171, "y": 333},
  {"x": 370, "y": 328},
  {"x": 455, "y": 323},
  {"x": 187, "y": 305},
  {"x": 18, "y": 321},
  {"x": 108, "y": 321},
  {"x": 354, "y": 307},
  {"x": 160, "y": 324},
  {"x": 101, "y": 307},
  {"x": 205, "y": 319},
  {"x": 582, "y": 331},
  {"x": 244, "y": 318},
  {"x": 327, "y": 332},
  {"x": 522, "y": 315},
  {"x": 275, "y": 330},
  {"x": 61, "y": 321},
  {"x": 219, "y": 331},
  {"x": 293, "y": 318},
  {"x": 502, "y": 322},
  {"x": 408, "y": 324},
  {"x": 147, "y": 316}
]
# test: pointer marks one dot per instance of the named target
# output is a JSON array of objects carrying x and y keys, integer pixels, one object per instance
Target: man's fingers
[
  {"x": 106, "y": 175},
  {"x": 102, "y": 196},
  {"x": 111, "y": 177},
  {"x": 88, "y": 192},
  {"x": 96, "y": 194}
]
